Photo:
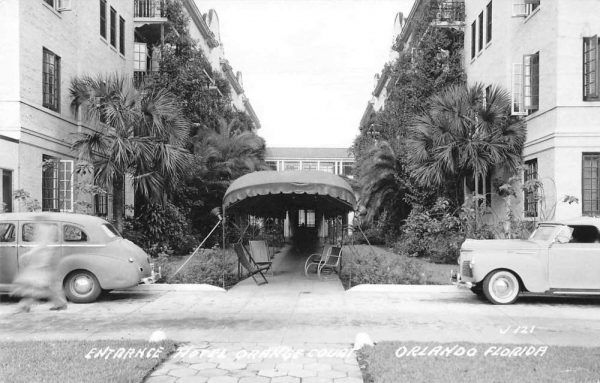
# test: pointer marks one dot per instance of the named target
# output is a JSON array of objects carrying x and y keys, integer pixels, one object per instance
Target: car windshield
[
  {"x": 110, "y": 230},
  {"x": 543, "y": 233}
]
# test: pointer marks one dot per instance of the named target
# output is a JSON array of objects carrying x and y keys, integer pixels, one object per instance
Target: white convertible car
[{"x": 559, "y": 258}]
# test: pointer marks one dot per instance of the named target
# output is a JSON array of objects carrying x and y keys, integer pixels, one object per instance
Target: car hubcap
[
  {"x": 82, "y": 284},
  {"x": 503, "y": 287}
]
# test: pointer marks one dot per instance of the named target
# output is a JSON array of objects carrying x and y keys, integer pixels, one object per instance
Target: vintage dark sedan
[
  {"x": 560, "y": 258},
  {"x": 93, "y": 255}
]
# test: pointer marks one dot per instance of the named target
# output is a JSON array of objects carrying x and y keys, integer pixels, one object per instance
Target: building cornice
[
  {"x": 366, "y": 114},
  {"x": 381, "y": 83},
  {"x": 204, "y": 29},
  {"x": 228, "y": 70},
  {"x": 251, "y": 112},
  {"x": 408, "y": 27}
]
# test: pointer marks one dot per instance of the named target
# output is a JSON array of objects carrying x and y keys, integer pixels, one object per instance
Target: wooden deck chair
[
  {"x": 316, "y": 260},
  {"x": 260, "y": 254},
  {"x": 246, "y": 261},
  {"x": 333, "y": 261}
]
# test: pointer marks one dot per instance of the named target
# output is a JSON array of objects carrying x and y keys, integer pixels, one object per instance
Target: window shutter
[
  {"x": 520, "y": 9},
  {"x": 531, "y": 81},
  {"x": 590, "y": 67},
  {"x": 517, "y": 108}
]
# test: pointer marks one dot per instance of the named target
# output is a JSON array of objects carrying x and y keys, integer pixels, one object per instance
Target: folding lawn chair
[
  {"x": 245, "y": 259},
  {"x": 260, "y": 254}
]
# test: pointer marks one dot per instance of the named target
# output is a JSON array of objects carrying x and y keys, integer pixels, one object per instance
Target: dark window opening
[
  {"x": 488, "y": 37},
  {"x": 51, "y": 80},
  {"x": 103, "y": 18},
  {"x": 480, "y": 45},
  {"x": 7, "y": 197},
  {"x": 113, "y": 27},
  {"x": 121, "y": 35},
  {"x": 530, "y": 193},
  {"x": 591, "y": 187},
  {"x": 473, "y": 38}
]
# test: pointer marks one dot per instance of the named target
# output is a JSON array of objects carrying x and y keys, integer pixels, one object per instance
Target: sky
[{"x": 308, "y": 66}]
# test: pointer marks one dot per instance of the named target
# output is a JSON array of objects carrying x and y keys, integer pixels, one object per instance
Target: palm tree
[
  {"x": 466, "y": 133},
  {"x": 136, "y": 133},
  {"x": 383, "y": 181}
]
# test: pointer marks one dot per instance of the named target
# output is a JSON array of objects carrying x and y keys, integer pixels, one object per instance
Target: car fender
[
  {"x": 111, "y": 272},
  {"x": 529, "y": 266}
]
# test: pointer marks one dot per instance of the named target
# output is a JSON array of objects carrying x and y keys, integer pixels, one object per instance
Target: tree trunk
[
  {"x": 476, "y": 201},
  {"x": 119, "y": 201}
]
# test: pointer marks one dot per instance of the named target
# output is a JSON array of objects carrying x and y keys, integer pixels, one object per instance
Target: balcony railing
[
  {"x": 149, "y": 8},
  {"x": 449, "y": 11}
]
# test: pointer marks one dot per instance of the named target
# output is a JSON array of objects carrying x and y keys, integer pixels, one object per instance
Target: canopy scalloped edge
[{"x": 289, "y": 182}]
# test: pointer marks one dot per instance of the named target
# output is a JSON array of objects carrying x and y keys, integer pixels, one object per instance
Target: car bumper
[
  {"x": 457, "y": 280},
  {"x": 154, "y": 276}
]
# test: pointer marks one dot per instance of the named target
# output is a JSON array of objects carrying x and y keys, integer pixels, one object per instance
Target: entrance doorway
[{"x": 7, "y": 199}]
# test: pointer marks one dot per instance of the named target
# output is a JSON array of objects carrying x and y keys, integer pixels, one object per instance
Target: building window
[
  {"x": 591, "y": 187},
  {"x": 473, "y": 38},
  {"x": 101, "y": 204},
  {"x": 480, "y": 45},
  {"x": 525, "y": 8},
  {"x": 113, "y": 27},
  {"x": 488, "y": 36},
  {"x": 347, "y": 168},
  {"x": 140, "y": 57},
  {"x": 50, "y": 3},
  {"x": 309, "y": 165},
  {"x": 530, "y": 189},
  {"x": 590, "y": 68},
  {"x": 291, "y": 165},
  {"x": 328, "y": 167},
  {"x": 306, "y": 218},
  {"x": 51, "y": 80},
  {"x": 531, "y": 81},
  {"x": 7, "y": 196},
  {"x": 526, "y": 85},
  {"x": 122, "y": 35},
  {"x": 271, "y": 165},
  {"x": 57, "y": 184},
  {"x": 103, "y": 18}
]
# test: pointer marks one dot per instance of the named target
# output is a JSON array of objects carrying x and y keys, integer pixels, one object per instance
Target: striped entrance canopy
[{"x": 272, "y": 193}]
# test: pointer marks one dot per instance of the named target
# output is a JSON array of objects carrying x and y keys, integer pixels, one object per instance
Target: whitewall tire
[{"x": 501, "y": 287}]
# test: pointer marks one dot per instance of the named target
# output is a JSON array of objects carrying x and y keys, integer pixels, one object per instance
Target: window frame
[
  {"x": 593, "y": 156},
  {"x": 531, "y": 82},
  {"x": 103, "y": 21},
  {"x": 480, "y": 32},
  {"x": 489, "y": 15},
  {"x": 50, "y": 80},
  {"x": 591, "y": 68},
  {"x": 59, "y": 196},
  {"x": 473, "y": 39},
  {"x": 122, "y": 35},
  {"x": 530, "y": 172},
  {"x": 113, "y": 27},
  {"x": 84, "y": 237}
]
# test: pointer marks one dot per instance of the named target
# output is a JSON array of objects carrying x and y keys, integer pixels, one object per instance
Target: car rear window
[{"x": 110, "y": 230}]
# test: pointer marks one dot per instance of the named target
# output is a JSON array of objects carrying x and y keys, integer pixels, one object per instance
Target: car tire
[
  {"x": 82, "y": 286},
  {"x": 501, "y": 287}
]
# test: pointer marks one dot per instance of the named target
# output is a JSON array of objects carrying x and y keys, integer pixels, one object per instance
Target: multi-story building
[
  {"x": 545, "y": 52},
  {"x": 333, "y": 160},
  {"x": 46, "y": 43},
  {"x": 150, "y": 23}
]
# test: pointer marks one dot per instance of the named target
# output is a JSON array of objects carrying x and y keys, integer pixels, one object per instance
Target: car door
[
  {"x": 8, "y": 251},
  {"x": 29, "y": 237},
  {"x": 574, "y": 265}
]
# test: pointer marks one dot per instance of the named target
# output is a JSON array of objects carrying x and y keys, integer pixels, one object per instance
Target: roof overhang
[{"x": 272, "y": 193}]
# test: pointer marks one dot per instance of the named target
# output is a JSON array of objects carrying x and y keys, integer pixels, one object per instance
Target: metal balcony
[{"x": 449, "y": 13}]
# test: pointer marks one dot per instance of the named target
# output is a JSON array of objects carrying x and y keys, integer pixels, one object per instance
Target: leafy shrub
[
  {"x": 377, "y": 267},
  {"x": 207, "y": 266},
  {"x": 160, "y": 229},
  {"x": 434, "y": 233}
]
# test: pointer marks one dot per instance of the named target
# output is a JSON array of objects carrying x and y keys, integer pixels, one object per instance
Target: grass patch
[
  {"x": 380, "y": 364},
  {"x": 65, "y": 361},
  {"x": 207, "y": 266},
  {"x": 381, "y": 266}
]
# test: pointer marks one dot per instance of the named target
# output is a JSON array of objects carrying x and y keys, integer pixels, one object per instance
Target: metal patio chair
[
  {"x": 316, "y": 260},
  {"x": 332, "y": 263},
  {"x": 245, "y": 259}
]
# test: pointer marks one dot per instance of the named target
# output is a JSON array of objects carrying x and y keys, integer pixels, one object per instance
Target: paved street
[{"x": 292, "y": 310}]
